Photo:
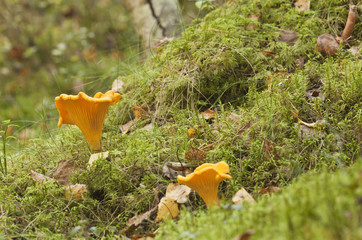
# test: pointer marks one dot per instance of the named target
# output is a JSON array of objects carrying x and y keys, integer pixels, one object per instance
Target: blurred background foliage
[{"x": 49, "y": 47}]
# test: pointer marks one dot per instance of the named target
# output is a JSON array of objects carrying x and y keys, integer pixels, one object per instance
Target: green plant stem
[{"x": 4, "y": 151}]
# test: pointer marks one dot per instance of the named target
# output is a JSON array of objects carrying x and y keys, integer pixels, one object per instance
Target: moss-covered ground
[{"x": 223, "y": 63}]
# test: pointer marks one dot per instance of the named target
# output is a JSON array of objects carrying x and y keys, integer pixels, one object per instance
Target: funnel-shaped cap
[
  {"x": 205, "y": 180},
  {"x": 87, "y": 113}
]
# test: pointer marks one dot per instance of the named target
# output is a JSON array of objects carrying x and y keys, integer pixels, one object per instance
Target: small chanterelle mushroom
[
  {"x": 205, "y": 180},
  {"x": 88, "y": 113}
]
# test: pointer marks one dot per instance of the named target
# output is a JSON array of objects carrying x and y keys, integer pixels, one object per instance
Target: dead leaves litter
[
  {"x": 242, "y": 196},
  {"x": 195, "y": 155},
  {"x": 178, "y": 192},
  {"x": 76, "y": 192},
  {"x": 208, "y": 114},
  {"x": 302, "y": 5},
  {"x": 167, "y": 207}
]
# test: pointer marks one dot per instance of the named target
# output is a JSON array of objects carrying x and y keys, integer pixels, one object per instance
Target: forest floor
[{"x": 245, "y": 86}]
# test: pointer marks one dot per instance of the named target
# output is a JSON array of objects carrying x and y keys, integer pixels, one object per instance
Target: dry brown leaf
[
  {"x": 269, "y": 190},
  {"x": 16, "y": 52},
  {"x": 95, "y": 156},
  {"x": 191, "y": 132},
  {"x": 246, "y": 235},
  {"x": 75, "y": 192},
  {"x": 117, "y": 85},
  {"x": 148, "y": 127},
  {"x": 64, "y": 170},
  {"x": 40, "y": 178},
  {"x": 288, "y": 36},
  {"x": 141, "y": 111},
  {"x": 195, "y": 155},
  {"x": 135, "y": 221},
  {"x": 178, "y": 192},
  {"x": 251, "y": 26},
  {"x": 269, "y": 148},
  {"x": 327, "y": 45},
  {"x": 167, "y": 208},
  {"x": 241, "y": 196},
  {"x": 302, "y": 5},
  {"x": 129, "y": 126},
  {"x": 208, "y": 114}
]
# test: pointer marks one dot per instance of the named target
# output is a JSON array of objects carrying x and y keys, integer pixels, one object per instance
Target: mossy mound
[
  {"x": 221, "y": 56},
  {"x": 323, "y": 206}
]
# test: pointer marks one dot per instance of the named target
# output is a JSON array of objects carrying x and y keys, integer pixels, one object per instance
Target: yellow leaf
[{"x": 167, "y": 208}]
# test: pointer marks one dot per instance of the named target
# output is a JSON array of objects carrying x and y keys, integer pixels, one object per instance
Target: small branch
[{"x": 351, "y": 20}]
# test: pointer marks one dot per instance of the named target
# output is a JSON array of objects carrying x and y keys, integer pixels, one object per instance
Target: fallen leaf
[
  {"x": 75, "y": 192},
  {"x": 141, "y": 111},
  {"x": 288, "y": 36},
  {"x": 137, "y": 220},
  {"x": 16, "y": 52},
  {"x": 246, "y": 235},
  {"x": 117, "y": 85},
  {"x": 269, "y": 190},
  {"x": 269, "y": 148},
  {"x": 251, "y": 26},
  {"x": 64, "y": 170},
  {"x": 302, "y": 5},
  {"x": 195, "y": 155},
  {"x": 40, "y": 178},
  {"x": 241, "y": 196},
  {"x": 208, "y": 114},
  {"x": 178, "y": 192},
  {"x": 191, "y": 132},
  {"x": 96, "y": 156},
  {"x": 327, "y": 45},
  {"x": 127, "y": 127},
  {"x": 148, "y": 127},
  {"x": 167, "y": 208}
]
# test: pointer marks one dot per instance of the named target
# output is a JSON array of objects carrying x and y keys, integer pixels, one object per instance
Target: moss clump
[
  {"x": 221, "y": 56},
  {"x": 316, "y": 206}
]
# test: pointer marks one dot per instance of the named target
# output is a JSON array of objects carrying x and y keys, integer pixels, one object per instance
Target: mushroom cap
[
  {"x": 205, "y": 180},
  {"x": 88, "y": 113}
]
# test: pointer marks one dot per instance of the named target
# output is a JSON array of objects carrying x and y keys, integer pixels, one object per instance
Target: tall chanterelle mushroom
[
  {"x": 88, "y": 113},
  {"x": 205, "y": 180}
]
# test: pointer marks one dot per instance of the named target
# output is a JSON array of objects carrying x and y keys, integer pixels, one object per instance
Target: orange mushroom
[
  {"x": 205, "y": 180},
  {"x": 87, "y": 113}
]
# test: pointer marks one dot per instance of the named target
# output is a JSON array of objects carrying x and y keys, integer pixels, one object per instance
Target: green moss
[
  {"x": 218, "y": 64},
  {"x": 315, "y": 206}
]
